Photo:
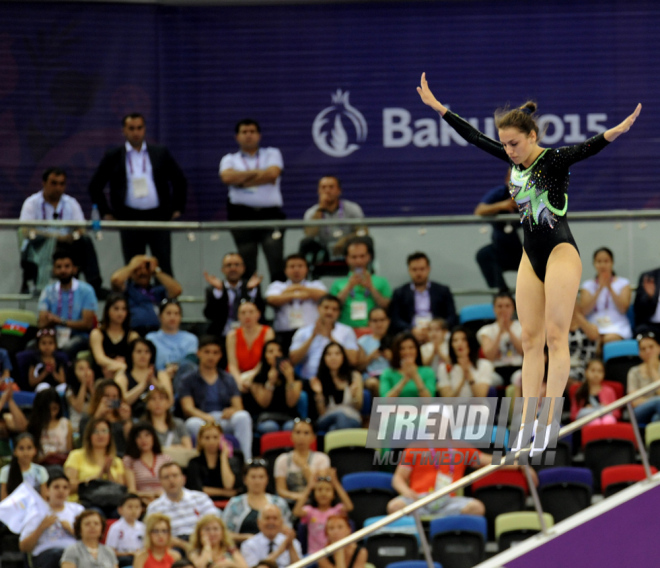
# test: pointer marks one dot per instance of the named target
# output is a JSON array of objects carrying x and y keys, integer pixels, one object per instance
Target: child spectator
[
  {"x": 353, "y": 555},
  {"x": 46, "y": 368},
  {"x": 593, "y": 394},
  {"x": 436, "y": 349},
  {"x": 51, "y": 430},
  {"x": 46, "y": 537},
  {"x": 325, "y": 489},
  {"x": 126, "y": 536},
  {"x": 22, "y": 468}
]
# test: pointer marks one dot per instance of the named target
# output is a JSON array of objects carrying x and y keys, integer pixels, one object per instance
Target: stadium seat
[
  {"x": 26, "y": 316},
  {"x": 652, "y": 442},
  {"x": 348, "y": 452},
  {"x": 606, "y": 445},
  {"x": 619, "y": 357},
  {"x": 383, "y": 548},
  {"x": 617, "y": 477},
  {"x": 458, "y": 541},
  {"x": 476, "y": 316},
  {"x": 623, "y": 348},
  {"x": 564, "y": 491},
  {"x": 511, "y": 528},
  {"x": 370, "y": 492},
  {"x": 503, "y": 491}
]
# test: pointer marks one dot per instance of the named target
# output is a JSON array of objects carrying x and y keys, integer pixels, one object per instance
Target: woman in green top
[{"x": 407, "y": 376}]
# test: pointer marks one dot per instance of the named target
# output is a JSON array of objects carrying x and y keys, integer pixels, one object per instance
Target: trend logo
[{"x": 335, "y": 141}]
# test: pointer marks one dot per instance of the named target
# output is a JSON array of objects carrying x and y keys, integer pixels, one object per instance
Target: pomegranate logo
[{"x": 330, "y": 127}]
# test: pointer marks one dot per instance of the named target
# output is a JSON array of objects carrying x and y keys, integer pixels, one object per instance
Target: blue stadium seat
[
  {"x": 477, "y": 312},
  {"x": 367, "y": 480},
  {"x": 624, "y": 348}
]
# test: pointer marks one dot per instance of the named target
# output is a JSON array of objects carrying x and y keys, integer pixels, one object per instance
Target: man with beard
[
  {"x": 68, "y": 305},
  {"x": 136, "y": 281}
]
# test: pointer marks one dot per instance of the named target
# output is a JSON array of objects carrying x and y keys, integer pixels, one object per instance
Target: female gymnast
[{"x": 550, "y": 268}]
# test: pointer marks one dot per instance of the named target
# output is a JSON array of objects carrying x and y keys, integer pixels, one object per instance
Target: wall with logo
[{"x": 334, "y": 88}]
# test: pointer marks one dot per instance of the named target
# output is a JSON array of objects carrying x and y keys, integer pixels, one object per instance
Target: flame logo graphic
[{"x": 336, "y": 142}]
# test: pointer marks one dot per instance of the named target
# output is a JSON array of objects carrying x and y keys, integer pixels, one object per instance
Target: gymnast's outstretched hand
[
  {"x": 428, "y": 98},
  {"x": 613, "y": 133}
]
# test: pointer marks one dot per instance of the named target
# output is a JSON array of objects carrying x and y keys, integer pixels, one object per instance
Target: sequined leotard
[{"x": 539, "y": 191}]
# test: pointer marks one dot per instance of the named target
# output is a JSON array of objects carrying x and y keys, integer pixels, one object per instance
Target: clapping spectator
[
  {"x": 436, "y": 350},
  {"x": 605, "y": 299},
  {"x": 88, "y": 552},
  {"x": 501, "y": 341},
  {"x": 274, "y": 542},
  {"x": 375, "y": 354},
  {"x": 211, "y": 471},
  {"x": 157, "y": 551},
  {"x": 211, "y": 545},
  {"x": 646, "y": 408},
  {"x": 407, "y": 377},
  {"x": 338, "y": 391},
  {"x": 142, "y": 461},
  {"x": 275, "y": 390},
  {"x": 51, "y": 430},
  {"x": 110, "y": 341},
  {"x": 46, "y": 368},
  {"x": 468, "y": 375},
  {"x": 294, "y": 469},
  {"x": 22, "y": 468}
]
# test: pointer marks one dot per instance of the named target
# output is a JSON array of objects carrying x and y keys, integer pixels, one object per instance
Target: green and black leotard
[{"x": 540, "y": 191}]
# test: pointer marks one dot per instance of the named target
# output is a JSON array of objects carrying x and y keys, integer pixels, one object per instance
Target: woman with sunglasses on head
[
  {"x": 141, "y": 374},
  {"x": 241, "y": 513},
  {"x": 550, "y": 269},
  {"x": 294, "y": 469},
  {"x": 171, "y": 431},
  {"x": 157, "y": 552},
  {"x": 109, "y": 342},
  {"x": 338, "y": 391},
  {"x": 276, "y": 391},
  {"x": 175, "y": 349}
]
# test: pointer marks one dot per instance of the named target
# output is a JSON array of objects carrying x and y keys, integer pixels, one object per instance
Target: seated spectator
[
  {"x": 46, "y": 367},
  {"x": 415, "y": 304},
  {"x": 142, "y": 462},
  {"x": 157, "y": 551},
  {"x": 68, "y": 306},
  {"x": 52, "y": 203},
  {"x": 322, "y": 244},
  {"x": 175, "y": 349},
  {"x": 212, "y": 545},
  {"x": 338, "y": 391},
  {"x": 294, "y": 469},
  {"x": 211, "y": 395},
  {"x": 12, "y": 420},
  {"x": 375, "y": 352},
  {"x": 505, "y": 250},
  {"x": 241, "y": 513},
  {"x": 135, "y": 280},
  {"x": 45, "y": 536},
  {"x": 274, "y": 541},
  {"x": 309, "y": 342},
  {"x": 275, "y": 391},
  {"x": 592, "y": 395},
  {"x": 125, "y": 537},
  {"x": 224, "y": 296},
  {"x": 583, "y": 339},
  {"x": 468, "y": 375},
  {"x": 140, "y": 375},
  {"x": 647, "y": 306},
  {"x": 108, "y": 403},
  {"x": 183, "y": 506},
  {"x": 245, "y": 344},
  {"x": 5, "y": 365},
  {"x": 170, "y": 430},
  {"x": 294, "y": 301},
  {"x": 109, "y": 342},
  {"x": 360, "y": 291},
  {"x": 88, "y": 552},
  {"x": 51, "y": 430},
  {"x": 97, "y": 459},
  {"x": 324, "y": 490},
  {"x": 80, "y": 391},
  {"x": 211, "y": 471},
  {"x": 501, "y": 341},
  {"x": 22, "y": 468},
  {"x": 337, "y": 527},
  {"x": 605, "y": 299},
  {"x": 436, "y": 350},
  {"x": 646, "y": 408},
  {"x": 407, "y": 377}
]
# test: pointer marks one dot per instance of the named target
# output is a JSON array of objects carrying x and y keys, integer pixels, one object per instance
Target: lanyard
[
  {"x": 56, "y": 215},
  {"x": 130, "y": 161},
  {"x": 59, "y": 304},
  {"x": 247, "y": 168},
  {"x": 451, "y": 464},
  {"x": 340, "y": 211}
]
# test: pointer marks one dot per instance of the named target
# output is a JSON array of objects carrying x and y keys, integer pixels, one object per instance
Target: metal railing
[{"x": 483, "y": 472}]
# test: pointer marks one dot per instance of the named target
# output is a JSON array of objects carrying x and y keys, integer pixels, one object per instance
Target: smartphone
[{"x": 115, "y": 404}]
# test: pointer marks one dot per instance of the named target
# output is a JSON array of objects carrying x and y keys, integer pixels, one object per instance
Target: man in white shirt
[
  {"x": 53, "y": 204},
  {"x": 309, "y": 342},
  {"x": 273, "y": 542},
  {"x": 183, "y": 506},
  {"x": 295, "y": 300},
  {"x": 253, "y": 176}
]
